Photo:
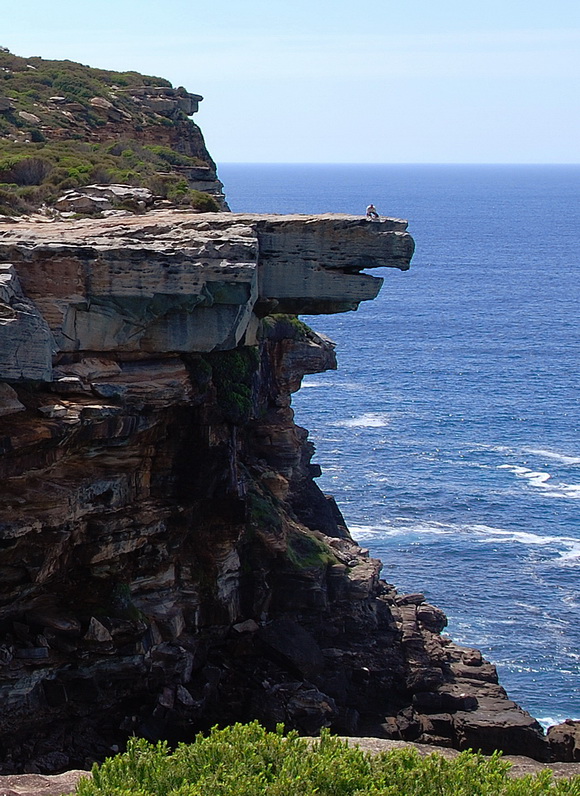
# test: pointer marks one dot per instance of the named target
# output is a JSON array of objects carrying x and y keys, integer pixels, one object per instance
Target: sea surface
[{"x": 449, "y": 434}]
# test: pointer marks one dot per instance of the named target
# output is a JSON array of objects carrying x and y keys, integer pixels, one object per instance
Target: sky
[{"x": 330, "y": 81}]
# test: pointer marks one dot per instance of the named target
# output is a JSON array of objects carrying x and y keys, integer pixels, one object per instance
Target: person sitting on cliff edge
[{"x": 372, "y": 214}]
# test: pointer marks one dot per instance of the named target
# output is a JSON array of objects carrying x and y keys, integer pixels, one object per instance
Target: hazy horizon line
[{"x": 378, "y": 163}]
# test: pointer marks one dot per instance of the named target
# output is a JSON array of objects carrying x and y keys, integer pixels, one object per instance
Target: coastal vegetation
[
  {"x": 64, "y": 125},
  {"x": 35, "y": 81},
  {"x": 233, "y": 373},
  {"x": 278, "y": 326},
  {"x": 247, "y": 760},
  {"x": 40, "y": 172}
]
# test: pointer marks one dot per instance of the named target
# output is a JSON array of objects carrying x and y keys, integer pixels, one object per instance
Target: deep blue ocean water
[{"x": 449, "y": 434}]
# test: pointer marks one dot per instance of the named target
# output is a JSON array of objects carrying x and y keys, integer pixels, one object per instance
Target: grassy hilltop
[{"x": 64, "y": 125}]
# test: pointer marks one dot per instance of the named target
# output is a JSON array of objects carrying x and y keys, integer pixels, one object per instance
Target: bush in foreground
[{"x": 246, "y": 760}]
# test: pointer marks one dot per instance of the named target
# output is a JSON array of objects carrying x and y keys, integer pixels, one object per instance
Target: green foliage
[
  {"x": 308, "y": 552},
  {"x": 172, "y": 157},
  {"x": 53, "y": 154},
  {"x": 202, "y": 201},
  {"x": 281, "y": 326},
  {"x": 55, "y": 166},
  {"x": 263, "y": 512},
  {"x": 200, "y": 372},
  {"x": 233, "y": 374},
  {"x": 121, "y": 604},
  {"x": 245, "y": 760},
  {"x": 29, "y": 80}
]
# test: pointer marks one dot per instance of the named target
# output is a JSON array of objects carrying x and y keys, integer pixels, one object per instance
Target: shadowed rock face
[{"x": 167, "y": 561}]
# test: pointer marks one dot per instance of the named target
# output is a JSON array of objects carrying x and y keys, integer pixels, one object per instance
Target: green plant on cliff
[
  {"x": 120, "y": 603},
  {"x": 264, "y": 512},
  {"x": 32, "y": 83},
  {"x": 279, "y": 326},
  {"x": 200, "y": 371},
  {"x": 202, "y": 201},
  {"x": 246, "y": 760},
  {"x": 233, "y": 374},
  {"x": 308, "y": 552}
]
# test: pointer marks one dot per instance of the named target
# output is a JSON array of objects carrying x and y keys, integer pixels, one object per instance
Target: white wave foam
[
  {"x": 516, "y": 536},
  {"x": 567, "y": 549},
  {"x": 368, "y": 420},
  {"x": 572, "y": 600},
  {"x": 560, "y": 457},
  {"x": 543, "y": 480},
  {"x": 550, "y": 721},
  {"x": 565, "y": 491},
  {"x": 307, "y": 384},
  {"x": 572, "y": 553},
  {"x": 364, "y": 531},
  {"x": 494, "y": 448}
]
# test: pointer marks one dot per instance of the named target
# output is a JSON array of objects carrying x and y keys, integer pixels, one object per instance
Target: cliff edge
[{"x": 167, "y": 560}]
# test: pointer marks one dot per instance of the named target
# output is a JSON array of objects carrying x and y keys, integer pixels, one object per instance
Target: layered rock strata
[{"x": 167, "y": 561}]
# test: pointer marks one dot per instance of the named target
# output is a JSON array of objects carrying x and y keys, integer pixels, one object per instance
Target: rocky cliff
[
  {"x": 64, "y": 125},
  {"x": 167, "y": 560}
]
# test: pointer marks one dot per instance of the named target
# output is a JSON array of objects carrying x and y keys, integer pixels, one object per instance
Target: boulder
[
  {"x": 9, "y": 403},
  {"x": 118, "y": 194},
  {"x": 499, "y": 724},
  {"x": 299, "y": 705},
  {"x": 78, "y": 202},
  {"x": 564, "y": 740},
  {"x": 38, "y": 785},
  {"x": 92, "y": 199},
  {"x": 431, "y": 617},
  {"x": 101, "y": 102},
  {"x": 29, "y": 117}
]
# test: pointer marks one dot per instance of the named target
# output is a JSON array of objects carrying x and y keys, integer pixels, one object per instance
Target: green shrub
[
  {"x": 203, "y": 202},
  {"x": 172, "y": 157},
  {"x": 200, "y": 372},
  {"x": 233, "y": 374},
  {"x": 72, "y": 164},
  {"x": 245, "y": 760},
  {"x": 263, "y": 511},
  {"x": 23, "y": 170},
  {"x": 308, "y": 552},
  {"x": 282, "y": 326}
]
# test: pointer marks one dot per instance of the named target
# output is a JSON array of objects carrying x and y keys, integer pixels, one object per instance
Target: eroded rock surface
[
  {"x": 181, "y": 282},
  {"x": 167, "y": 561}
]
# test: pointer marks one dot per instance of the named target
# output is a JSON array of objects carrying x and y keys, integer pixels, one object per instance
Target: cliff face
[{"x": 167, "y": 561}]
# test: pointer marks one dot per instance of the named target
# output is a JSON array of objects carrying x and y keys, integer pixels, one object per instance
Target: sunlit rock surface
[{"x": 180, "y": 282}]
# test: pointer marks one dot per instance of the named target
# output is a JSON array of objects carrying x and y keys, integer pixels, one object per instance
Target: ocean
[{"x": 449, "y": 434}]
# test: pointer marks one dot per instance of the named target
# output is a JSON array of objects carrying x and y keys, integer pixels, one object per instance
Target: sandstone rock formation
[
  {"x": 168, "y": 283},
  {"x": 167, "y": 561}
]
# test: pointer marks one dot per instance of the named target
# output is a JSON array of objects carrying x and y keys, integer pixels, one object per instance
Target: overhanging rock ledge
[
  {"x": 167, "y": 561},
  {"x": 180, "y": 282}
]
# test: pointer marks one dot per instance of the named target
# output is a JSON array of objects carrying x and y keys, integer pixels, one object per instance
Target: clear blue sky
[{"x": 412, "y": 81}]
